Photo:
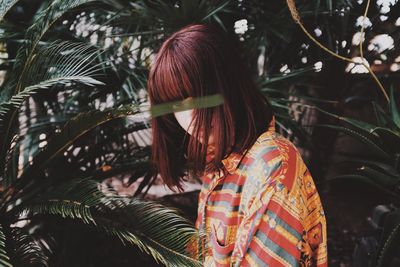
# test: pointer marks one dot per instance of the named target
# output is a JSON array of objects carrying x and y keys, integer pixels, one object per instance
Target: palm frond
[
  {"x": 390, "y": 240},
  {"x": 393, "y": 109},
  {"x": 73, "y": 199},
  {"x": 71, "y": 131},
  {"x": 5, "y": 6},
  {"x": 28, "y": 251},
  {"x": 63, "y": 62},
  {"x": 4, "y": 258},
  {"x": 168, "y": 241},
  {"x": 364, "y": 179},
  {"x": 50, "y": 66},
  {"x": 34, "y": 34},
  {"x": 213, "y": 10},
  {"x": 154, "y": 228},
  {"x": 76, "y": 127},
  {"x": 53, "y": 66},
  {"x": 363, "y": 138}
]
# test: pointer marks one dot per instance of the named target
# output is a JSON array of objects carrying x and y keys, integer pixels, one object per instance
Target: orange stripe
[{"x": 291, "y": 173}]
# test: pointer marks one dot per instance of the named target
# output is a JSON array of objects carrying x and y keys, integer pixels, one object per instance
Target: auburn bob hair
[{"x": 201, "y": 60}]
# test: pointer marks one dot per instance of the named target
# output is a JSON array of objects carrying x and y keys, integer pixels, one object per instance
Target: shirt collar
[{"x": 232, "y": 161}]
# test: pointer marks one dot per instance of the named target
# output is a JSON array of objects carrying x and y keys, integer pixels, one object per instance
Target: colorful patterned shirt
[{"x": 262, "y": 209}]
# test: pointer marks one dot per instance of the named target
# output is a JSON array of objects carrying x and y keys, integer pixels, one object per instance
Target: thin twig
[{"x": 296, "y": 17}]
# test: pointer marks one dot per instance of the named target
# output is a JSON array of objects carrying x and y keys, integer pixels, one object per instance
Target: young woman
[{"x": 258, "y": 204}]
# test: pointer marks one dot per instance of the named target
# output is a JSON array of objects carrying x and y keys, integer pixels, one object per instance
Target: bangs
[{"x": 170, "y": 81}]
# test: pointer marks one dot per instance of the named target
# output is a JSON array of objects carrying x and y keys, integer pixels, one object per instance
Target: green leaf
[
  {"x": 377, "y": 165},
  {"x": 363, "y": 179},
  {"x": 393, "y": 108},
  {"x": 361, "y": 125},
  {"x": 300, "y": 96},
  {"x": 5, "y": 6},
  {"x": 26, "y": 53},
  {"x": 71, "y": 131},
  {"x": 389, "y": 138},
  {"x": 28, "y": 250},
  {"x": 381, "y": 116},
  {"x": 154, "y": 228},
  {"x": 161, "y": 233},
  {"x": 4, "y": 258},
  {"x": 389, "y": 247},
  {"x": 293, "y": 74},
  {"x": 215, "y": 10},
  {"x": 379, "y": 177},
  {"x": 370, "y": 144},
  {"x": 50, "y": 66}
]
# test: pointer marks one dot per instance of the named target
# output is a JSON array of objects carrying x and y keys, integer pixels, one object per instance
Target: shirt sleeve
[{"x": 285, "y": 223}]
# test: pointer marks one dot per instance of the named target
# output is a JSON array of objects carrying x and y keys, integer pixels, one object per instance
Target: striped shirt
[{"x": 262, "y": 208}]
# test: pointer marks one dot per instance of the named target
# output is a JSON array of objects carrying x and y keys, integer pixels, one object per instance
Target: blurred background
[{"x": 75, "y": 127}]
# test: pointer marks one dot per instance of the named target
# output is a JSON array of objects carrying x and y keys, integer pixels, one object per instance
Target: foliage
[
  {"x": 72, "y": 98},
  {"x": 381, "y": 169},
  {"x": 383, "y": 141},
  {"x": 34, "y": 188}
]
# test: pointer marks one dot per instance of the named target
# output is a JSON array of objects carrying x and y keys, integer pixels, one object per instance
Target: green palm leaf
[
  {"x": 13, "y": 83},
  {"x": 390, "y": 240},
  {"x": 156, "y": 229},
  {"x": 4, "y": 258},
  {"x": 364, "y": 179},
  {"x": 52, "y": 66},
  {"x": 28, "y": 251},
  {"x": 34, "y": 34},
  {"x": 5, "y": 6},
  {"x": 72, "y": 130},
  {"x": 363, "y": 138},
  {"x": 393, "y": 109},
  {"x": 49, "y": 67}
]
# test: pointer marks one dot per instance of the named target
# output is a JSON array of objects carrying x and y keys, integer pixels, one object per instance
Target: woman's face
[{"x": 184, "y": 119}]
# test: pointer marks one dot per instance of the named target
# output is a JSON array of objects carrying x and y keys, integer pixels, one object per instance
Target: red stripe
[
  {"x": 206, "y": 180},
  {"x": 279, "y": 239},
  {"x": 285, "y": 215},
  {"x": 248, "y": 160},
  {"x": 244, "y": 263},
  {"x": 263, "y": 255},
  {"x": 223, "y": 250},
  {"x": 270, "y": 155}
]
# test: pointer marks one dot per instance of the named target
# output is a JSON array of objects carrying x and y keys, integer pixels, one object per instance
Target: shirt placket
[{"x": 215, "y": 181}]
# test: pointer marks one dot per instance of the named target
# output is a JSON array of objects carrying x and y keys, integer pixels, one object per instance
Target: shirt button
[
  {"x": 299, "y": 245},
  {"x": 272, "y": 223}
]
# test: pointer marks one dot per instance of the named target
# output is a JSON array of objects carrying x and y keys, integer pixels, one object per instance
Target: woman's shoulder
[{"x": 275, "y": 161}]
